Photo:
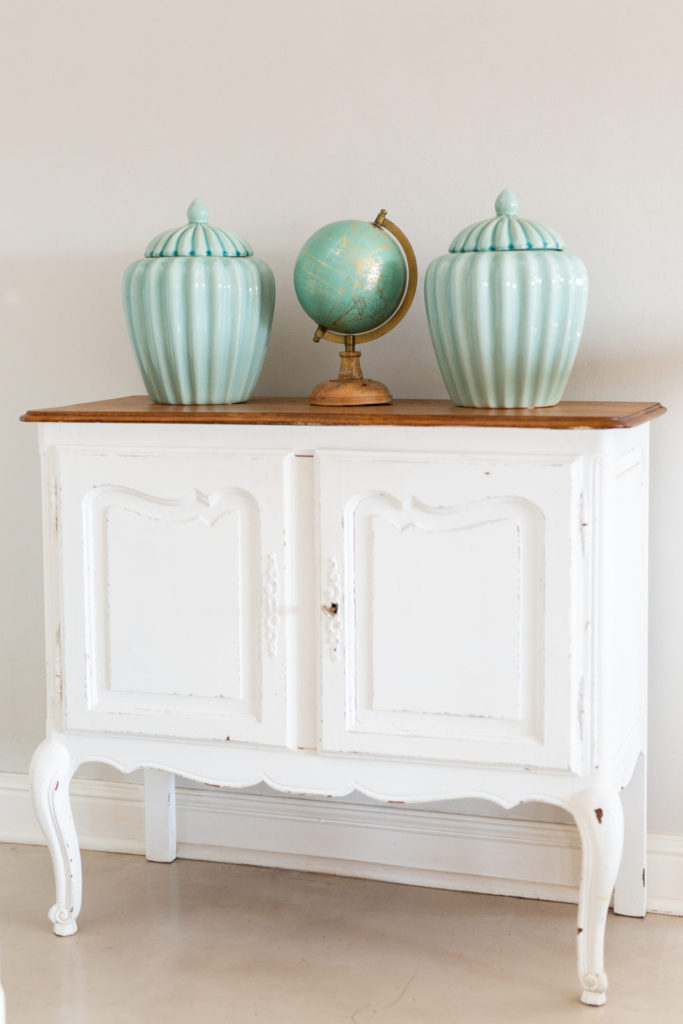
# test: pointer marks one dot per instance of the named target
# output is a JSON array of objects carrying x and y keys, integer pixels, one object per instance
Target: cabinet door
[
  {"x": 174, "y": 569},
  {"x": 451, "y": 591}
]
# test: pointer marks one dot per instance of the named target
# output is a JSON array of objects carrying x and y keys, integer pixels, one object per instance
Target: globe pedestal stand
[{"x": 350, "y": 387}]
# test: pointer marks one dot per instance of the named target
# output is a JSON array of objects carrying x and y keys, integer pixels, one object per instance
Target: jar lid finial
[
  {"x": 507, "y": 203},
  {"x": 198, "y": 212}
]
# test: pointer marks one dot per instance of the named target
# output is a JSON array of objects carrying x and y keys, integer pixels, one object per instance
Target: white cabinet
[{"x": 416, "y": 602}]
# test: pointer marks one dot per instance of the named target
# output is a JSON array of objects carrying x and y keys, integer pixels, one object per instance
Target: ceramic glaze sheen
[
  {"x": 199, "y": 309},
  {"x": 414, "y": 612},
  {"x": 505, "y": 309}
]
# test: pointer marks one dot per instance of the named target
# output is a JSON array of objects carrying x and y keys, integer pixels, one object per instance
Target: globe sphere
[{"x": 350, "y": 276}]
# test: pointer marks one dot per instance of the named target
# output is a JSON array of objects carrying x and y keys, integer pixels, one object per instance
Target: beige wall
[{"x": 283, "y": 116}]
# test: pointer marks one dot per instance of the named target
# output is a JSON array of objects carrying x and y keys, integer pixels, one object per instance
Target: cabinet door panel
[
  {"x": 433, "y": 584},
  {"x": 456, "y": 631},
  {"x": 174, "y": 576}
]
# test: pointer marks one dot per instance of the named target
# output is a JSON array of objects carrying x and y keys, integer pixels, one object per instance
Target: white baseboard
[{"x": 417, "y": 847}]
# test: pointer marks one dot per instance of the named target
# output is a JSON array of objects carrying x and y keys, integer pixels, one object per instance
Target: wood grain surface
[{"x": 403, "y": 412}]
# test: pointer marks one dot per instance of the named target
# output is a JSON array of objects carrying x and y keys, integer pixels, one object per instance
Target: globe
[{"x": 350, "y": 276}]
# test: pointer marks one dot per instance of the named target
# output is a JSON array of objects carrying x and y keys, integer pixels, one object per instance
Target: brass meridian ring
[{"x": 381, "y": 221}]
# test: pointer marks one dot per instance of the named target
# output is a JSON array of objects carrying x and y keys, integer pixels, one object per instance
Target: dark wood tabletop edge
[
  {"x": 648, "y": 411},
  {"x": 442, "y": 414}
]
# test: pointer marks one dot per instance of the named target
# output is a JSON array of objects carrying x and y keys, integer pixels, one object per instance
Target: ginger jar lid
[
  {"x": 198, "y": 238},
  {"x": 506, "y": 231}
]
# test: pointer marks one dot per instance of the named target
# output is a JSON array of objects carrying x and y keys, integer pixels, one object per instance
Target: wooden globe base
[{"x": 350, "y": 387}]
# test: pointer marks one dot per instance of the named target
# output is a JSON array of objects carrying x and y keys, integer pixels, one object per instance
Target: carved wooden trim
[{"x": 271, "y": 612}]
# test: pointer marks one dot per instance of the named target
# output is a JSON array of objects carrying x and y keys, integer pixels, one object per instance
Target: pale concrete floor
[{"x": 216, "y": 943}]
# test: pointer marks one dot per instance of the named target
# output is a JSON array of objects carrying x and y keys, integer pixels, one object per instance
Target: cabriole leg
[
  {"x": 51, "y": 771},
  {"x": 599, "y": 816}
]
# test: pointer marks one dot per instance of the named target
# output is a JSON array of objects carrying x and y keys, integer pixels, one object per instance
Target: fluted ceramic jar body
[
  {"x": 506, "y": 325},
  {"x": 199, "y": 325}
]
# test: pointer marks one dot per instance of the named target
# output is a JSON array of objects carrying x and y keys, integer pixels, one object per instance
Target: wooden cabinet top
[{"x": 403, "y": 412}]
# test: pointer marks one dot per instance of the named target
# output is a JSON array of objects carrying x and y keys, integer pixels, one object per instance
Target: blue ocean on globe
[{"x": 350, "y": 276}]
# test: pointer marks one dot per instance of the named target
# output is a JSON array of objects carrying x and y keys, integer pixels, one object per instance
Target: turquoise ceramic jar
[
  {"x": 199, "y": 309},
  {"x": 505, "y": 308}
]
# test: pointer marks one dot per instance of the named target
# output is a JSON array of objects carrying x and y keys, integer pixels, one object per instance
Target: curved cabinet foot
[
  {"x": 51, "y": 771},
  {"x": 599, "y": 816},
  {"x": 63, "y": 920}
]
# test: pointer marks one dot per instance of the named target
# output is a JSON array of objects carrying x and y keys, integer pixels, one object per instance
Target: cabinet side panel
[{"x": 624, "y": 605}]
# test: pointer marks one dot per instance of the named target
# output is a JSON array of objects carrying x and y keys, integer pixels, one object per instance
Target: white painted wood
[
  {"x": 51, "y": 771},
  {"x": 469, "y": 851},
  {"x": 160, "y": 816},
  {"x": 599, "y": 816},
  {"x": 173, "y": 623},
  {"x": 461, "y": 602},
  {"x": 415, "y": 614},
  {"x": 302, "y": 599},
  {"x": 630, "y": 892}
]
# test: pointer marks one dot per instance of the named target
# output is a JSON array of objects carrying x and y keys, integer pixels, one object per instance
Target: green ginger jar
[
  {"x": 199, "y": 308},
  {"x": 505, "y": 308}
]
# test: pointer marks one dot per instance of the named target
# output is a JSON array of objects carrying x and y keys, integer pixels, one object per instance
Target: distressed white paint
[
  {"x": 464, "y": 569},
  {"x": 271, "y": 606},
  {"x": 630, "y": 898},
  {"x": 599, "y": 816},
  {"x": 173, "y": 621},
  {"x": 547, "y": 526},
  {"x": 51, "y": 770},
  {"x": 331, "y": 607}
]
